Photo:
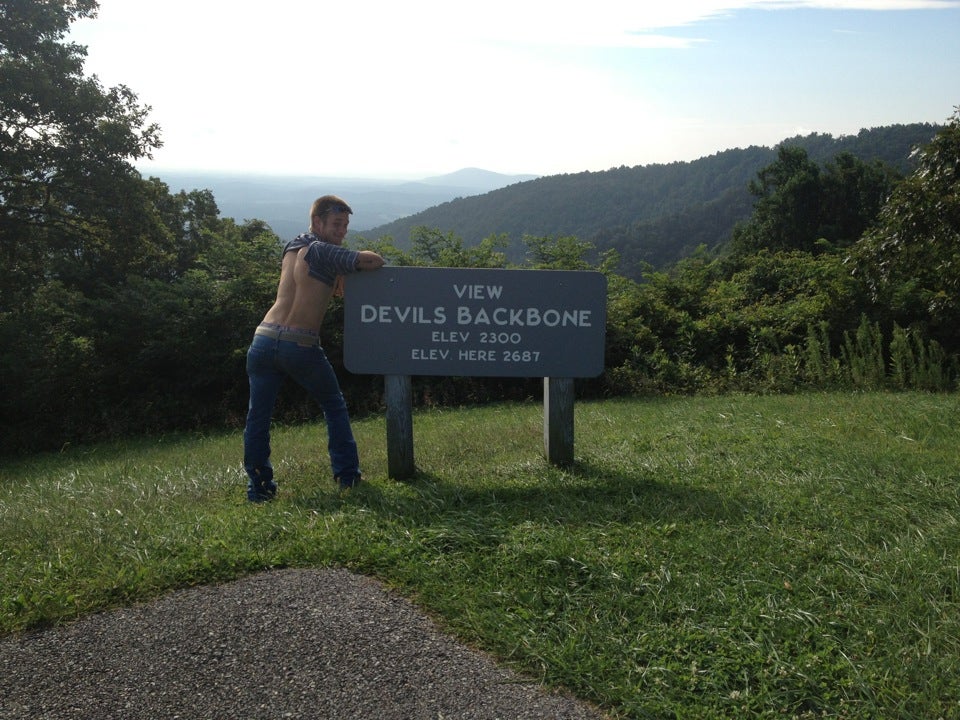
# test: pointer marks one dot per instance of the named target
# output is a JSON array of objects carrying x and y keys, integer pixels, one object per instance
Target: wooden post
[
  {"x": 558, "y": 420},
  {"x": 399, "y": 397}
]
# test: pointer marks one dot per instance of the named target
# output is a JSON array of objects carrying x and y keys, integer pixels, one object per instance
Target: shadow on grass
[{"x": 586, "y": 493}]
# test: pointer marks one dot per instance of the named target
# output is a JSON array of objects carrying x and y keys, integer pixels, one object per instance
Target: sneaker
[
  {"x": 261, "y": 489},
  {"x": 348, "y": 481}
]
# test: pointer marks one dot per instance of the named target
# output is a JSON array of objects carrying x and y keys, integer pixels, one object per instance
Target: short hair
[{"x": 327, "y": 204}]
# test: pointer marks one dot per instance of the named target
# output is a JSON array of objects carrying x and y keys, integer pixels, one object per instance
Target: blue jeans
[{"x": 269, "y": 363}]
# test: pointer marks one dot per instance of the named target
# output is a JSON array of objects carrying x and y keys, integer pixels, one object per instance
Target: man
[{"x": 287, "y": 344}]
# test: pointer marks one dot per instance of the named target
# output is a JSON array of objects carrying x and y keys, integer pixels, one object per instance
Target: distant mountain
[
  {"x": 480, "y": 180},
  {"x": 283, "y": 202},
  {"x": 650, "y": 214}
]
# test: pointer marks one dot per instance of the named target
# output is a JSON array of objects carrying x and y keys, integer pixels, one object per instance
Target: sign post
[
  {"x": 404, "y": 321},
  {"x": 399, "y": 395},
  {"x": 558, "y": 421}
]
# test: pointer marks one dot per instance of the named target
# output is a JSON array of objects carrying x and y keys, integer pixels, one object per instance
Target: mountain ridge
[{"x": 650, "y": 213}]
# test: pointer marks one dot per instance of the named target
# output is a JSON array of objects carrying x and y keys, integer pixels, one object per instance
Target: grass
[{"x": 720, "y": 557}]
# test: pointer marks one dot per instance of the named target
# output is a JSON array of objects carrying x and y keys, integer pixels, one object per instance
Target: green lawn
[{"x": 719, "y": 557}]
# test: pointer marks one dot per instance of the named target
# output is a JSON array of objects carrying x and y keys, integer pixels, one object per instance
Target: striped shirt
[{"x": 325, "y": 260}]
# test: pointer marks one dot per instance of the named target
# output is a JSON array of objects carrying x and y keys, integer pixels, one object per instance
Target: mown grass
[{"x": 719, "y": 557}]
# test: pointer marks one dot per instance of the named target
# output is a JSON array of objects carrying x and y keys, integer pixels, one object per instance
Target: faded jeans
[{"x": 269, "y": 363}]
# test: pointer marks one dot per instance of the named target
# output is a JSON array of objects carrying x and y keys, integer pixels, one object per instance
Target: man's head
[{"x": 329, "y": 218}]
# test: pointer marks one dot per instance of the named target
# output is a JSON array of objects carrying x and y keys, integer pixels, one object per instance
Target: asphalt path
[{"x": 321, "y": 643}]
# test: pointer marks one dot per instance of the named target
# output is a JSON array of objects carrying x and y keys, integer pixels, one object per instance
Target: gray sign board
[{"x": 475, "y": 322}]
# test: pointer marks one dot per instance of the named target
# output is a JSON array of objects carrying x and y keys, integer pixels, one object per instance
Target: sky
[{"x": 387, "y": 89}]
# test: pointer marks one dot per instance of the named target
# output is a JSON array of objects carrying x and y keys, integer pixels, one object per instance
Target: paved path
[{"x": 282, "y": 644}]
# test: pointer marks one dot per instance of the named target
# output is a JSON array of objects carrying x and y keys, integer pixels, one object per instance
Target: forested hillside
[{"x": 653, "y": 214}]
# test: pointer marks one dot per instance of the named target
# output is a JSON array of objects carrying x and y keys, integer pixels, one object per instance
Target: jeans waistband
[{"x": 307, "y": 339}]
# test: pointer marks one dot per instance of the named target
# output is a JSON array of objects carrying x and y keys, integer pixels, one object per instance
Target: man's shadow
[{"x": 584, "y": 493}]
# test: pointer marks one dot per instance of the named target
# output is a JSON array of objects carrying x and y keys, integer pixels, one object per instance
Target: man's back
[{"x": 301, "y": 299}]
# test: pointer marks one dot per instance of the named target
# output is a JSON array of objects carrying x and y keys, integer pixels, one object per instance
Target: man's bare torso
[{"x": 301, "y": 300}]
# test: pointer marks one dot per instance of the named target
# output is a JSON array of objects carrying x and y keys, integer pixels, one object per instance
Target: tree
[
  {"x": 787, "y": 212},
  {"x": 852, "y": 194},
  {"x": 564, "y": 253},
  {"x": 66, "y": 147},
  {"x": 804, "y": 207},
  {"x": 911, "y": 259},
  {"x": 431, "y": 247},
  {"x": 123, "y": 307}
]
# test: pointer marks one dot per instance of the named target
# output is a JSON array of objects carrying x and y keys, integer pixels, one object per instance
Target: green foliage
[
  {"x": 144, "y": 354},
  {"x": 780, "y": 311},
  {"x": 66, "y": 182},
  {"x": 911, "y": 259},
  {"x": 863, "y": 353},
  {"x": 563, "y": 253},
  {"x": 125, "y": 306},
  {"x": 917, "y": 364},
  {"x": 436, "y": 249},
  {"x": 801, "y": 207},
  {"x": 788, "y": 208},
  {"x": 820, "y": 368},
  {"x": 48, "y": 355},
  {"x": 666, "y": 239}
]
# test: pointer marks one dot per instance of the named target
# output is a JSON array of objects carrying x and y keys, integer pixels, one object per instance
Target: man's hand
[{"x": 369, "y": 260}]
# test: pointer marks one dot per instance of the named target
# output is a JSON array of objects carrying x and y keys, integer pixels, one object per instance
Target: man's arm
[
  {"x": 326, "y": 261},
  {"x": 369, "y": 260}
]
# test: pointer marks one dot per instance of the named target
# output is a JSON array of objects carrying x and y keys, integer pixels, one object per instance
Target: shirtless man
[{"x": 287, "y": 344}]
